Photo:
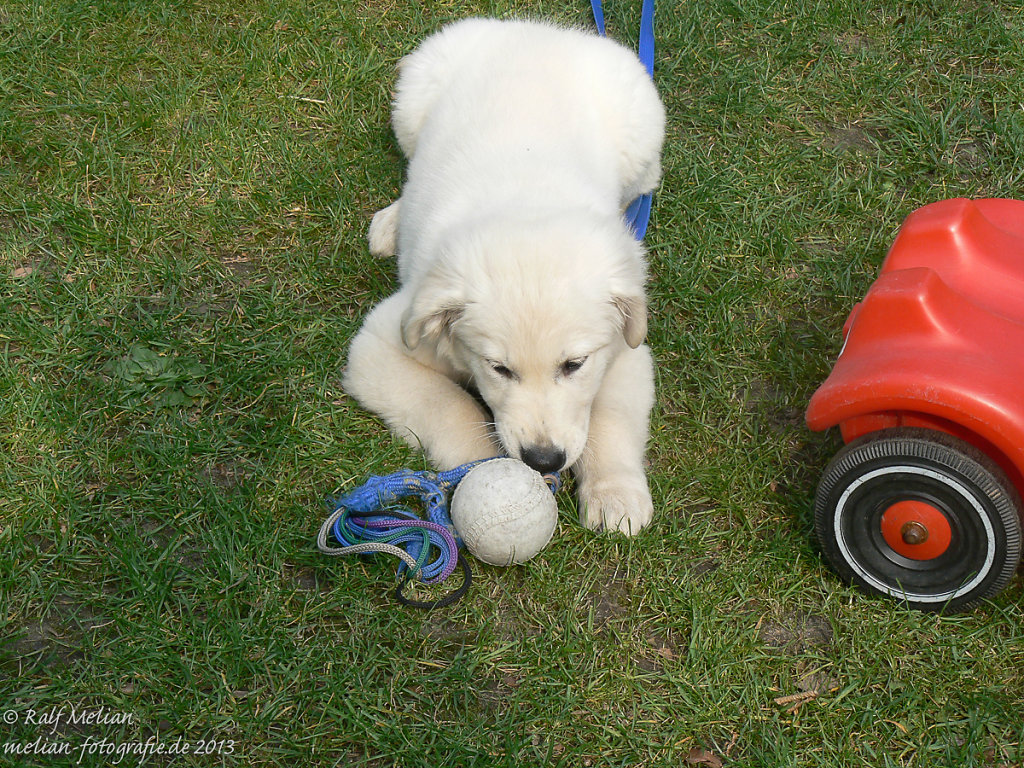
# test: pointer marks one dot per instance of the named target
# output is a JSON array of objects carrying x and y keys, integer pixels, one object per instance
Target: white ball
[{"x": 504, "y": 512}]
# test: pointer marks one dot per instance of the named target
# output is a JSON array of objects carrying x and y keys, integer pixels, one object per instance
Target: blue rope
[
  {"x": 638, "y": 214},
  {"x": 371, "y": 515},
  {"x": 371, "y": 518}
]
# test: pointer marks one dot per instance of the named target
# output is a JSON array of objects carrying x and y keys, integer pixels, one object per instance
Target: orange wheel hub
[{"x": 916, "y": 529}]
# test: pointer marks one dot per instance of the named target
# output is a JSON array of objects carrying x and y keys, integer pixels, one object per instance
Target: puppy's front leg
[
  {"x": 613, "y": 491},
  {"x": 418, "y": 401}
]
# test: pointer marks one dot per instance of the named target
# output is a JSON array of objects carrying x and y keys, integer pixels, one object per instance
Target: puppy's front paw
[{"x": 620, "y": 503}]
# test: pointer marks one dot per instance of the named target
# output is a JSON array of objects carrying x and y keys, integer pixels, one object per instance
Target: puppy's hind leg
[{"x": 383, "y": 234}]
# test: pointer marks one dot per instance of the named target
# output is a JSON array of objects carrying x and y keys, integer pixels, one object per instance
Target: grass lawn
[{"x": 185, "y": 189}]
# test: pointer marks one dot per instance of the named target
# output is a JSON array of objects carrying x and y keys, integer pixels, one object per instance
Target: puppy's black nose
[{"x": 543, "y": 458}]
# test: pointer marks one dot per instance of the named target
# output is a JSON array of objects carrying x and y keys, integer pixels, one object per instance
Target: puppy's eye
[
  {"x": 569, "y": 367},
  {"x": 503, "y": 370}
]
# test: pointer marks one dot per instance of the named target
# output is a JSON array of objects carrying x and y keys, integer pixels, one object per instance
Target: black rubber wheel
[{"x": 919, "y": 516}]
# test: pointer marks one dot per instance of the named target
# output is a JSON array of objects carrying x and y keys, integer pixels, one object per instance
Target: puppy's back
[{"x": 490, "y": 58}]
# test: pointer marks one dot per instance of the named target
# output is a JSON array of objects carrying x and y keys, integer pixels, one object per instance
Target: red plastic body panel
[{"x": 938, "y": 341}]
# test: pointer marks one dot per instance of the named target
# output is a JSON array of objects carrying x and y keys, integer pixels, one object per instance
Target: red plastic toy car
[{"x": 924, "y": 502}]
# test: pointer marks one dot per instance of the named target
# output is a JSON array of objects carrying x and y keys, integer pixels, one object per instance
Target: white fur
[{"x": 519, "y": 277}]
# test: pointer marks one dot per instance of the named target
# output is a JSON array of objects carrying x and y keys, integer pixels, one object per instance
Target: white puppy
[{"x": 521, "y": 284}]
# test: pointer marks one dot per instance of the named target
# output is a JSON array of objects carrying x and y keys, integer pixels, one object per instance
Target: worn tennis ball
[{"x": 504, "y": 512}]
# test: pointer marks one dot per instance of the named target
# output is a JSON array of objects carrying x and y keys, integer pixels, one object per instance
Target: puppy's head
[{"x": 532, "y": 314}]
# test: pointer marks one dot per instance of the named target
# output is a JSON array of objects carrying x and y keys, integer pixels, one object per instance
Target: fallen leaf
[{"x": 698, "y": 756}]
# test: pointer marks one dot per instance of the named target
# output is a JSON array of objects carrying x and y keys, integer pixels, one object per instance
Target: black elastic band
[{"x": 452, "y": 597}]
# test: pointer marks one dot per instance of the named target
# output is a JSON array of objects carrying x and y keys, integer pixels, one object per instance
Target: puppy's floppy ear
[
  {"x": 627, "y": 289},
  {"x": 435, "y": 307},
  {"x": 633, "y": 310}
]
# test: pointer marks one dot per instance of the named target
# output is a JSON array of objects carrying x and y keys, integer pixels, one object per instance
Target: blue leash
[{"x": 638, "y": 214}]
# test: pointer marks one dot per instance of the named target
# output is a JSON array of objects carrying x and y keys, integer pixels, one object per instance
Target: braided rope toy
[{"x": 371, "y": 518}]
